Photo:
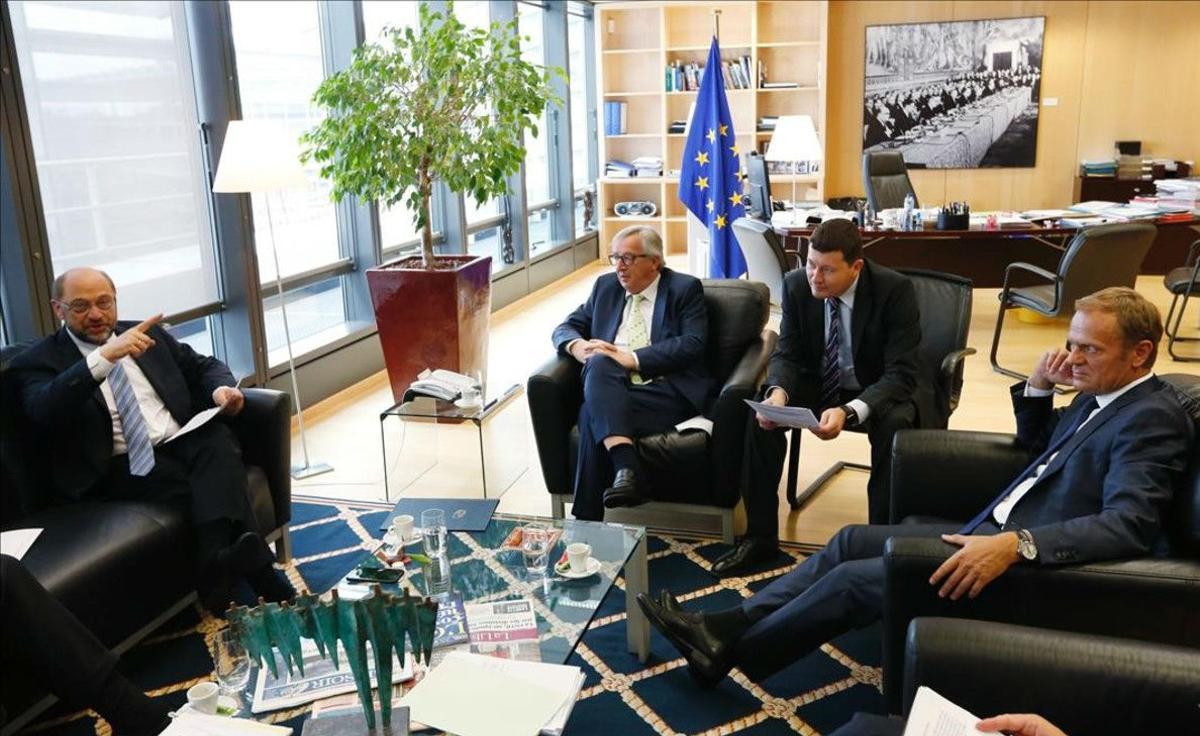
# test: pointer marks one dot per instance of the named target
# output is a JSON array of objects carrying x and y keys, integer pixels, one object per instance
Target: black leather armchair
[
  {"x": 1083, "y": 684},
  {"x": 682, "y": 468},
  {"x": 950, "y": 475},
  {"x": 123, "y": 567}
]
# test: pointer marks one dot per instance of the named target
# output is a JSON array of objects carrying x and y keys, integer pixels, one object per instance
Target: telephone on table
[{"x": 441, "y": 384}]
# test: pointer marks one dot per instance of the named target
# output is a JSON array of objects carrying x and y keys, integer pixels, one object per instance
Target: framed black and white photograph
[{"x": 954, "y": 95}]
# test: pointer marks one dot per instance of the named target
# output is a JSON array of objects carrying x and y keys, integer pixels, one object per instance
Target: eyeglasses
[
  {"x": 626, "y": 258},
  {"x": 83, "y": 306}
]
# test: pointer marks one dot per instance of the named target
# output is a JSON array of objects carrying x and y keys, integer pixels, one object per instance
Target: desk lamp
[
  {"x": 258, "y": 156},
  {"x": 794, "y": 140}
]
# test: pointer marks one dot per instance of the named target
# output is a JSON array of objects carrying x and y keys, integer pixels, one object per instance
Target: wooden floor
[{"x": 444, "y": 460}]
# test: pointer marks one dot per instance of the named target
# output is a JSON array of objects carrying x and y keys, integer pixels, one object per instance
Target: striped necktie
[
  {"x": 133, "y": 424},
  {"x": 638, "y": 337},
  {"x": 831, "y": 373}
]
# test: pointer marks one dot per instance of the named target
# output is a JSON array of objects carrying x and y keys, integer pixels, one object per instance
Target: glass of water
[
  {"x": 535, "y": 546},
  {"x": 433, "y": 532},
  {"x": 231, "y": 663}
]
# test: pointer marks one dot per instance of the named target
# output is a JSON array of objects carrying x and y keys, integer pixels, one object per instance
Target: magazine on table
[
  {"x": 450, "y": 628},
  {"x": 506, "y": 629},
  {"x": 320, "y": 679}
]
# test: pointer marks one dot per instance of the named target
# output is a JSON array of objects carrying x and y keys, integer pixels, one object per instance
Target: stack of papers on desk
[
  {"x": 507, "y": 698},
  {"x": 1093, "y": 207},
  {"x": 197, "y": 724}
]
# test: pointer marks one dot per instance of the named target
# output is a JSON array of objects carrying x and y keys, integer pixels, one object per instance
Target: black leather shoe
[
  {"x": 669, "y": 601},
  {"x": 272, "y": 585},
  {"x": 706, "y": 655},
  {"x": 748, "y": 552},
  {"x": 624, "y": 491},
  {"x": 247, "y": 555}
]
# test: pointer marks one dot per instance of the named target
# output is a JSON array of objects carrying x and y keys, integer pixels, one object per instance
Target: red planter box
[{"x": 432, "y": 318}]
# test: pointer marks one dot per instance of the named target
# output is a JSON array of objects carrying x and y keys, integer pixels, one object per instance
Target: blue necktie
[
  {"x": 831, "y": 373},
  {"x": 1086, "y": 407},
  {"x": 137, "y": 436}
]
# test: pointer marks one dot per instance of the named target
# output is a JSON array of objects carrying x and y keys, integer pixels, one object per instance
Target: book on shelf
[
  {"x": 780, "y": 85},
  {"x": 616, "y": 115}
]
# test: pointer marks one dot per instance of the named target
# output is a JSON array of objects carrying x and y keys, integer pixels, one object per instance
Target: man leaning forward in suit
[
  {"x": 1108, "y": 465},
  {"x": 109, "y": 394},
  {"x": 641, "y": 338},
  {"x": 847, "y": 350}
]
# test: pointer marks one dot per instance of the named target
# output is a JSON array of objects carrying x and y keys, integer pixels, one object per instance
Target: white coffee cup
[
  {"x": 402, "y": 527},
  {"x": 577, "y": 555},
  {"x": 203, "y": 697}
]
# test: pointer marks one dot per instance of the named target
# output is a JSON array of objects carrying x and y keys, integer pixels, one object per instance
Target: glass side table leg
[{"x": 637, "y": 628}]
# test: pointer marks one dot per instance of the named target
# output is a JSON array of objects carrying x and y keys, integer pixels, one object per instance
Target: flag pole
[{"x": 717, "y": 24}]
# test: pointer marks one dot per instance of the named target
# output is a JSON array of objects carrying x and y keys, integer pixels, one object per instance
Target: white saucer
[
  {"x": 390, "y": 539},
  {"x": 224, "y": 703},
  {"x": 593, "y": 567}
]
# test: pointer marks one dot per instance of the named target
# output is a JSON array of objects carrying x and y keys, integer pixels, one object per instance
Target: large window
[
  {"x": 112, "y": 113},
  {"x": 396, "y": 228},
  {"x": 583, "y": 170},
  {"x": 280, "y": 63},
  {"x": 539, "y": 189}
]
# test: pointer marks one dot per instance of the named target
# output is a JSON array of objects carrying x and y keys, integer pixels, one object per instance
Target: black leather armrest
[
  {"x": 1081, "y": 683},
  {"x": 1149, "y": 599},
  {"x": 730, "y": 414},
  {"x": 264, "y": 429},
  {"x": 555, "y": 393},
  {"x": 951, "y": 474}
]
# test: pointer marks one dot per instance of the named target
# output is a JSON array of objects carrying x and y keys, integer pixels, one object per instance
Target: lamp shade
[
  {"x": 795, "y": 139},
  {"x": 258, "y": 156}
]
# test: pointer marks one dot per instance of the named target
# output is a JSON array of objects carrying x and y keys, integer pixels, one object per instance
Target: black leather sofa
[
  {"x": 1081, "y": 683},
  {"x": 691, "y": 471},
  {"x": 124, "y": 568},
  {"x": 950, "y": 475}
]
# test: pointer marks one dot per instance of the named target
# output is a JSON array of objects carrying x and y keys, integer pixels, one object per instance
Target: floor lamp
[
  {"x": 261, "y": 157},
  {"x": 794, "y": 140}
]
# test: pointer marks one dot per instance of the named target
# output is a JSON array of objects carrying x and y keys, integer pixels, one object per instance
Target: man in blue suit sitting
[
  {"x": 1106, "y": 469},
  {"x": 641, "y": 339}
]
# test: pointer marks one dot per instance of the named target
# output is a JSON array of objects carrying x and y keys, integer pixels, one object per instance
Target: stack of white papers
[
  {"x": 786, "y": 416},
  {"x": 198, "y": 724},
  {"x": 934, "y": 715},
  {"x": 532, "y": 696}
]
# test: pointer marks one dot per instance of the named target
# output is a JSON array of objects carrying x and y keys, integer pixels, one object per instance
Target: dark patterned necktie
[
  {"x": 831, "y": 374},
  {"x": 133, "y": 424}
]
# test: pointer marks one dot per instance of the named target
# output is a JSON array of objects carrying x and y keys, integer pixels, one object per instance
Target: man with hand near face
[
  {"x": 847, "y": 350},
  {"x": 641, "y": 338},
  {"x": 1105, "y": 470},
  {"x": 109, "y": 394}
]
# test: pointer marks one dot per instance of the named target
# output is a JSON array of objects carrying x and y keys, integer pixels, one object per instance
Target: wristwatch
[
  {"x": 851, "y": 415},
  {"x": 1026, "y": 547}
]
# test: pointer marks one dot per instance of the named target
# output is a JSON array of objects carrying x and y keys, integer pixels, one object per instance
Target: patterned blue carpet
[{"x": 620, "y": 695}]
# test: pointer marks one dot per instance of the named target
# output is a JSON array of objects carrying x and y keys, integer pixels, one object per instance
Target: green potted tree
[{"x": 445, "y": 103}]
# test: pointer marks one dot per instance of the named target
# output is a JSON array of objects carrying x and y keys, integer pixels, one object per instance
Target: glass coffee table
[{"x": 484, "y": 571}]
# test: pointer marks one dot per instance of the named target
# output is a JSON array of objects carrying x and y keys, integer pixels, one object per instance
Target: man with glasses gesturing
[
  {"x": 109, "y": 394},
  {"x": 641, "y": 339}
]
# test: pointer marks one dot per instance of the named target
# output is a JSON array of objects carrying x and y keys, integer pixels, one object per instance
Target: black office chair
[
  {"x": 766, "y": 260},
  {"x": 1181, "y": 282},
  {"x": 885, "y": 179},
  {"x": 944, "y": 302},
  {"x": 1097, "y": 257}
]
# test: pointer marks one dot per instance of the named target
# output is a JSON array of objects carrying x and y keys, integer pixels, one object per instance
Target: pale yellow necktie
[{"x": 638, "y": 336}]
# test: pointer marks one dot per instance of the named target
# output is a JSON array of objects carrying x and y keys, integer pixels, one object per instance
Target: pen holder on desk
[{"x": 948, "y": 221}]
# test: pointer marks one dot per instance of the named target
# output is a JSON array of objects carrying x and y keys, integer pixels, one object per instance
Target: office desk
[{"x": 982, "y": 255}]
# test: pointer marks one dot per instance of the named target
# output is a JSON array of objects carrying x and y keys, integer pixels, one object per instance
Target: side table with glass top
[{"x": 502, "y": 454}]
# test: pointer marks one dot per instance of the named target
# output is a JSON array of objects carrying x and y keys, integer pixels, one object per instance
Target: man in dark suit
[
  {"x": 861, "y": 374},
  {"x": 109, "y": 394},
  {"x": 640, "y": 336},
  {"x": 1108, "y": 465}
]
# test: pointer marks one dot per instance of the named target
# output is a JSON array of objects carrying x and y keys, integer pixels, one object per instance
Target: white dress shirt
[
  {"x": 159, "y": 421},
  {"x": 621, "y": 339},
  {"x": 1005, "y": 507}
]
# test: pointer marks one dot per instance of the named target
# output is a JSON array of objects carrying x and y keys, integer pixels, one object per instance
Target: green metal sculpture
[{"x": 382, "y": 618}]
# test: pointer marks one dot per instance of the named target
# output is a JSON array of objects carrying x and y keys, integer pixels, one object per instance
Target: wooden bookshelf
[{"x": 637, "y": 40}]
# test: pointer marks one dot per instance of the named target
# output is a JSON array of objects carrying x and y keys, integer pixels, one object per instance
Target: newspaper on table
[
  {"x": 786, "y": 416},
  {"x": 506, "y": 629},
  {"x": 320, "y": 679}
]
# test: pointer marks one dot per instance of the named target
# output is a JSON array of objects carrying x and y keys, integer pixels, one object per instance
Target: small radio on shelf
[{"x": 635, "y": 209}]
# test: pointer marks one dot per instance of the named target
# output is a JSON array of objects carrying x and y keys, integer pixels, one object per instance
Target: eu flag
[{"x": 709, "y": 181}]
